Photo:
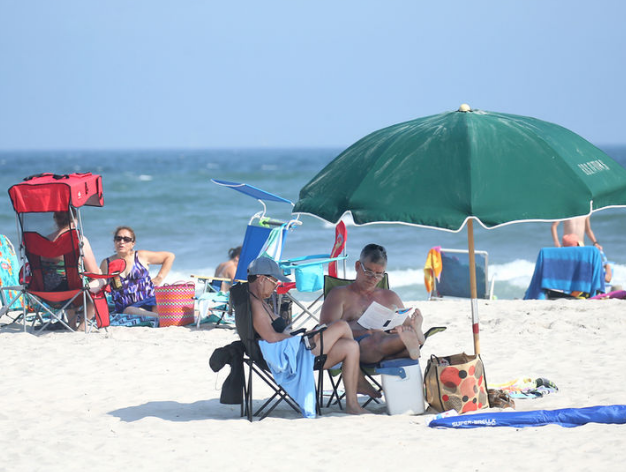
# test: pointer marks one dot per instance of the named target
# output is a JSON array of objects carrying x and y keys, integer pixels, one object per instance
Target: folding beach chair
[
  {"x": 259, "y": 229},
  {"x": 369, "y": 370},
  {"x": 257, "y": 366},
  {"x": 446, "y": 274},
  {"x": 35, "y": 200},
  {"x": 309, "y": 274},
  {"x": 211, "y": 302}
]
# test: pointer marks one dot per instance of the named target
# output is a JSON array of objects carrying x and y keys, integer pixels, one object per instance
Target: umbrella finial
[{"x": 465, "y": 108}]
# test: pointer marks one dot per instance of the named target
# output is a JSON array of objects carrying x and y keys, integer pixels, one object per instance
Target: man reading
[{"x": 349, "y": 302}]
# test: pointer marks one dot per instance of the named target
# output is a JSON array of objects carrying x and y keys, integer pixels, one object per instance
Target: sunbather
[
  {"x": 575, "y": 228},
  {"x": 134, "y": 294},
  {"x": 339, "y": 346},
  {"x": 349, "y": 302},
  {"x": 228, "y": 269},
  {"x": 54, "y": 272}
]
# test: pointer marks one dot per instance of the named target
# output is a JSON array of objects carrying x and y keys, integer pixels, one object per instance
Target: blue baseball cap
[{"x": 266, "y": 266}]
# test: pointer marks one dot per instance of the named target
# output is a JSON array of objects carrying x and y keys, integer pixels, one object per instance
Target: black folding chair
[{"x": 253, "y": 358}]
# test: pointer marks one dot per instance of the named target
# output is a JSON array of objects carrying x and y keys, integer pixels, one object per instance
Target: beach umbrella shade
[{"x": 445, "y": 171}]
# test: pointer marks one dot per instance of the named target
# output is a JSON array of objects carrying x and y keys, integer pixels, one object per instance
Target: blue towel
[
  {"x": 567, "y": 269},
  {"x": 291, "y": 365}
]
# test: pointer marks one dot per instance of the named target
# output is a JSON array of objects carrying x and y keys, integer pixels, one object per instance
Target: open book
[{"x": 379, "y": 317}]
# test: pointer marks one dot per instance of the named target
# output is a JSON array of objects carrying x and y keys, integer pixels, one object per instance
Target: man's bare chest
[{"x": 359, "y": 304}]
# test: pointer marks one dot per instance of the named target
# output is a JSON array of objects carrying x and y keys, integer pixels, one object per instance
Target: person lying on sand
[{"x": 349, "y": 302}]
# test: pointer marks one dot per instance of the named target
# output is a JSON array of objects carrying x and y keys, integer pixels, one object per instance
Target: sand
[{"x": 145, "y": 399}]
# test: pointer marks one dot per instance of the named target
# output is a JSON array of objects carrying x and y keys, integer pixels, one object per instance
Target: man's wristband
[{"x": 595, "y": 242}]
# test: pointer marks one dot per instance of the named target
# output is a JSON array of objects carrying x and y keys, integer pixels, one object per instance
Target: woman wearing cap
[{"x": 339, "y": 345}]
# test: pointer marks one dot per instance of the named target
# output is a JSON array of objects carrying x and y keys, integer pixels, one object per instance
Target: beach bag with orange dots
[
  {"x": 175, "y": 304},
  {"x": 456, "y": 382}
]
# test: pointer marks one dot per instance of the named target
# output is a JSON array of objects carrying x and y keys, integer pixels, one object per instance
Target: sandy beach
[{"x": 146, "y": 399}]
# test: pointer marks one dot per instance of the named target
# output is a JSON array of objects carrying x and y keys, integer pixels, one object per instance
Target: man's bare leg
[
  {"x": 365, "y": 388},
  {"x": 382, "y": 345}
]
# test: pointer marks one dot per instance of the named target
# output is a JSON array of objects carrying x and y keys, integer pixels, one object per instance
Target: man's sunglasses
[{"x": 371, "y": 273}]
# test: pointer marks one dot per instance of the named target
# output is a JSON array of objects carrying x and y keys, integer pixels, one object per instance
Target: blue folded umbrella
[{"x": 566, "y": 417}]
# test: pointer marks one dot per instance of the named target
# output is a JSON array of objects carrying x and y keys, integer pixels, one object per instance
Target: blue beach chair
[
  {"x": 262, "y": 234},
  {"x": 454, "y": 280}
]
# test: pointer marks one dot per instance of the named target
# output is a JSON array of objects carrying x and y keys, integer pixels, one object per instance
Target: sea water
[{"x": 168, "y": 198}]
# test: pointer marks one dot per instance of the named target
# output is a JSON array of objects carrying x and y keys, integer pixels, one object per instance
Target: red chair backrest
[{"x": 65, "y": 246}]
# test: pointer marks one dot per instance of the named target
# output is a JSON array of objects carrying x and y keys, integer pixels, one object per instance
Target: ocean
[{"x": 168, "y": 198}]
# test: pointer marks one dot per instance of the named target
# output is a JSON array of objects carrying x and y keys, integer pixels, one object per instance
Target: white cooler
[{"x": 403, "y": 386}]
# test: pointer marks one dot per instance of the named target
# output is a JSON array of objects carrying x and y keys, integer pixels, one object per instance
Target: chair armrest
[
  {"x": 305, "y": 258},
  {"x": 309, "y": 334},
  {"x": 288, "y": 265},
  {"x": 204, "y": 278},
  {"x": 316, "y": 330},
  {"x": 13, "y": 287},
  {"x": 91, "y": 275}
]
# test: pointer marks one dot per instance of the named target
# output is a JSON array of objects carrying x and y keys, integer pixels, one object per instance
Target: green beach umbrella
[{"x": 446, "y": 170}]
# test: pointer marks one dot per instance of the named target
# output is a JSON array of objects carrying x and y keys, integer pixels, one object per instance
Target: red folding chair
[{"x": 35, "y": 200}]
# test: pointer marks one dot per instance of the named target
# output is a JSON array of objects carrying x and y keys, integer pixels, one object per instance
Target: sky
[{"x": 120, "y": 74}]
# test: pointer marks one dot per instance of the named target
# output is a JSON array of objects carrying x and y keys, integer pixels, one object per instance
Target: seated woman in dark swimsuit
[
  {"x": 134, "y": 293},
  {"x": 339, "y": 346},
  {"x": 54, "y": 272}
]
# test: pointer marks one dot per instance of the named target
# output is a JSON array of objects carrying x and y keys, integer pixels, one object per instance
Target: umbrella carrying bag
[
  {"x": 175, "y": 303},
  {"x": 456, "y": 382}
]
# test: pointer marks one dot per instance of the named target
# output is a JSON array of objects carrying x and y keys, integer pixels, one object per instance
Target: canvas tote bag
[
  {"x": 175, "y": 303},
  {"x": 456, "y": 382}
]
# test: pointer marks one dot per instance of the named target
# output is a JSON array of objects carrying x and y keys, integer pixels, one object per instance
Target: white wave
[
  {"x": 517, "y": 273},
  {"x": 406, "y": 277},
  {"x": 145, "y": 178}
]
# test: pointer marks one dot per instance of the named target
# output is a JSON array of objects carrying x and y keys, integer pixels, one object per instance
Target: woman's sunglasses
[{"x": 126, "y": 239}]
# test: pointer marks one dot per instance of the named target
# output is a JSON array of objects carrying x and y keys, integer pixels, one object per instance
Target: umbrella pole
[{"x": 473, "y": 293}]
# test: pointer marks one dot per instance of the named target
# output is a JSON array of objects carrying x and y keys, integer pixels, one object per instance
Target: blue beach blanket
[
  {"x": 291, "y": 365},
  {"x": 9, "y": 273},
  {"x": 566, "y": 417},
  {"x": 123, "y": 319},
  {"x": 567, "y": 269}
]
